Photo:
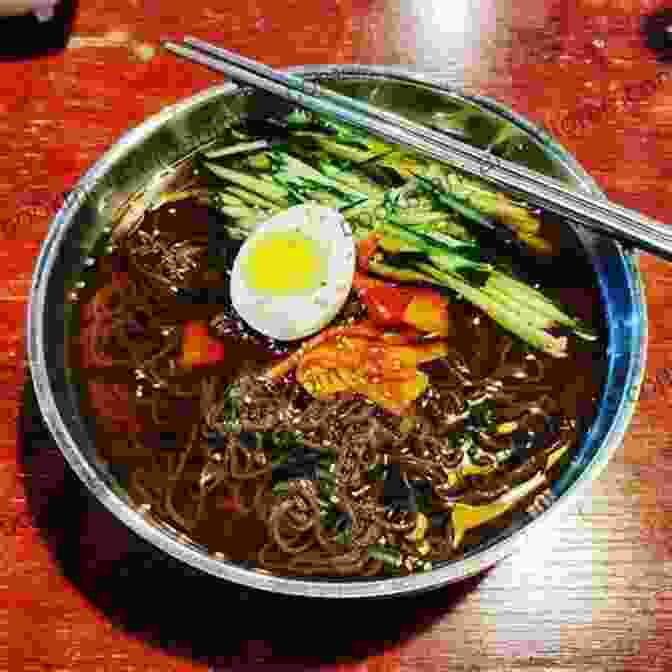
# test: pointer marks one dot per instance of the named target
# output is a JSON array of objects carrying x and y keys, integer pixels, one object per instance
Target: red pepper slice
[
  {"x": 366, "y": 248},
  {"x": 230, "y": 504},
  {"x": 389, "y": 305},
  {"x": 363, "y": 283},
  {"x": 199, "y": 348},
  {"x": 386, "y": 305}
]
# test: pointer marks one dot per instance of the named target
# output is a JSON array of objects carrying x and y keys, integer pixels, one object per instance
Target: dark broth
[{"x": 129, "y": 438}]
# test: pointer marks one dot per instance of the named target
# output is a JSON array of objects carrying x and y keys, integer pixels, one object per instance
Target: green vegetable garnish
[{"x": 425, "y": 222}]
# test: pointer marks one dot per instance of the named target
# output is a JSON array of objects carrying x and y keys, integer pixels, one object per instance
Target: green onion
[
  {"x": 252, "y": 199},
  {"x": 298, "y": 117},
  {"x": 507, "y": 318},
  {"x": 400, "y": 274},
  {"x": 281, "y": 488},
  {"x": 448, "y": 200},
  {"x": 342, "y": 151},
  {"x": 272, "y": 192},
  {"x": 344, "y": 536},
  {"x": 377, "y": 472},
  {"x": 536, "y": 300},
  {"x": 349, "y": 178},
  {"x": 325, "y": 475},
  {"x": 531, "y": 315},
  {"x": 387, "y": 555},
  {"x": 327, "y": 489},
  {"x": 493, "y": 203},
  {"x": 240, "y": 148}
]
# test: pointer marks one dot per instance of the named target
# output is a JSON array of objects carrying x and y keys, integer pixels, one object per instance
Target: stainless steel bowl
[{"x": 142, "y": 154}]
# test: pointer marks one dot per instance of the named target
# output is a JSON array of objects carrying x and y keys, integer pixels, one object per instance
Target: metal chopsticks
[{"x": 603, "y": 216}]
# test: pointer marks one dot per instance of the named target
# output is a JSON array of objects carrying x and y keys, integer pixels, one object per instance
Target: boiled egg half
[{"x": 293, "y": 274}]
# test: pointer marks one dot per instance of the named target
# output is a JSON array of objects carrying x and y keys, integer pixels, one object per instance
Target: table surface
[{"x": 79, "y": 593}]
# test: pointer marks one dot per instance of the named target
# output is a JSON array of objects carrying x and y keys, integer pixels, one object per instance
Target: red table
[{"x": 78, "y": 593}]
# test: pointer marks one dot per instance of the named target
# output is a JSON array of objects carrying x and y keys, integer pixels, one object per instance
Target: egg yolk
[{"x": 282, "y": 263}]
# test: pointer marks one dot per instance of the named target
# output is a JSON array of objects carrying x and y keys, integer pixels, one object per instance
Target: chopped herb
[
  {"x": 377, "y": 472},
  {"x": 344, "y": 536},
  {"x": 298, "y": 117},
  {"x": 460, "y": 440},
  {"x": 482, "y": 415},
  {"x": 278, "y": 161},
  {"x": 231, "y": 409},
  {"x": 281, "y": 488},
  {"x": 342, "y": 522},
  {"x": 387, "y": 554}
]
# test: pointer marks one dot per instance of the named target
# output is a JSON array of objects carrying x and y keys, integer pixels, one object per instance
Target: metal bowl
[{"x": 143, "y": 153}]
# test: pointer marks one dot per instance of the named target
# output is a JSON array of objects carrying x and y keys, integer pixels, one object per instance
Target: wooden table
[{"x": 79, "y": 593}]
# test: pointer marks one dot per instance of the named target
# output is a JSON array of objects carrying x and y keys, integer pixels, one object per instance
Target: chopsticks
[{"x": 601, "y": 215}]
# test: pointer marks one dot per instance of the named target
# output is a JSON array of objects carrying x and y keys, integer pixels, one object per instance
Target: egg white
[{"x": 288, "y": 318}]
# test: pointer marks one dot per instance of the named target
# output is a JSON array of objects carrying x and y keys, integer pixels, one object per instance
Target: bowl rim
[{"x": 189, "y": 553}]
